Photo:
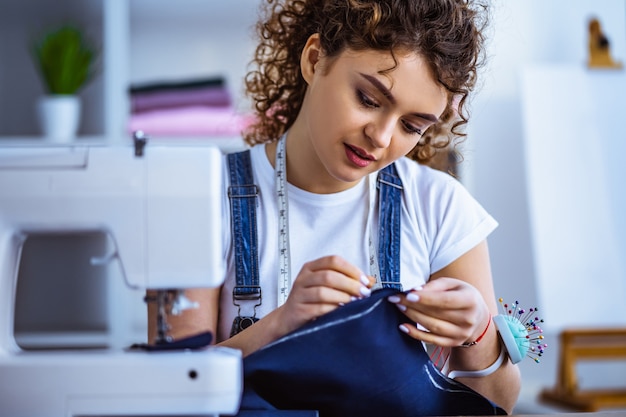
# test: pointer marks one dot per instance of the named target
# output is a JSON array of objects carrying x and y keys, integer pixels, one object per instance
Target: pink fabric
[
  {"x": 191, "y": 121},
  {"x": 163, "y": 99}
]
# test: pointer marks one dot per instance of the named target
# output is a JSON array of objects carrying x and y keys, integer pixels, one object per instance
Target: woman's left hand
[{"x": 445, "y": 311}]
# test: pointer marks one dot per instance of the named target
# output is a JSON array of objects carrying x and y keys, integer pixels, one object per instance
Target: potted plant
[{"x": 65, "y": 59}]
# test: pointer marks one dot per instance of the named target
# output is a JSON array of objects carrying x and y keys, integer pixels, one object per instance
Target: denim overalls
[
  {"x": 243, "y": 194},
  {"x": 353, "y": 360}
]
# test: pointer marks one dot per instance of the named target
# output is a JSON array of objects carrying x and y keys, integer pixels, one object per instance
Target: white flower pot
[{"x": 59, "y": 117}]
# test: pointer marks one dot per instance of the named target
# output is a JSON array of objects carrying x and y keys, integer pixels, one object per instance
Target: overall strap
[
  {"x": 390, "y": 189},
  {"x": 243, "y": 196}
]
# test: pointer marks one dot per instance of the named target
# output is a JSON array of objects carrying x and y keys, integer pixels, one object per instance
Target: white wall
[
  {"x": 172, "y": 43},
  {"x": 523, "y": 33},
  {"x": 529, "y": 33}
]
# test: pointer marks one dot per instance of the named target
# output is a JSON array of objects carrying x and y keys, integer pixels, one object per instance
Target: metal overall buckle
[{"x": 240, "y": 322}]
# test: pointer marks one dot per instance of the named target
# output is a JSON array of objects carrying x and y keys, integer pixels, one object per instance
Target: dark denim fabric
[{"x": 355, "y": 361}]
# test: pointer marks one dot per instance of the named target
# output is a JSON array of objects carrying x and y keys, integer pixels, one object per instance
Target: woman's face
[{"x": 357, "y": 117}]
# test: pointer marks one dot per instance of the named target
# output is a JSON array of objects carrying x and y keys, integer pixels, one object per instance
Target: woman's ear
[{"x": 311, "y": 55}]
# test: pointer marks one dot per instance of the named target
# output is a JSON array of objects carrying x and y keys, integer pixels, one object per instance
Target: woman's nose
[{"x": 380, "y": 132}]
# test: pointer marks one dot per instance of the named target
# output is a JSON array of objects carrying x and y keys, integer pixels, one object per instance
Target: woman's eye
[
  {"x": 412, "y": 129},
  {"x": 365, "y": 100}
]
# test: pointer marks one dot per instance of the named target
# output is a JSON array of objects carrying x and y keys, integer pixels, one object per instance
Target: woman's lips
[{"x": 358, "y": 156}]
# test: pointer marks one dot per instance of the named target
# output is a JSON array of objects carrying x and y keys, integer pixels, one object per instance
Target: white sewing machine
[{"x": 158, "y": 211}]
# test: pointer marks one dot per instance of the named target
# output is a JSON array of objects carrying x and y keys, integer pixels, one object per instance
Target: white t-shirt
[{"x": 440, "y": 222}]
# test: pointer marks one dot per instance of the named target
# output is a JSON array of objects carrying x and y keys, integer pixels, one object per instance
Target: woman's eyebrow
[
  {"x": 389, "y": 96},
  {"x": 380, "y": 86}
]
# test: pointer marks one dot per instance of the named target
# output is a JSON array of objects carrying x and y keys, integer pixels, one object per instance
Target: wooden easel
[{"x": 587, "y": 344}]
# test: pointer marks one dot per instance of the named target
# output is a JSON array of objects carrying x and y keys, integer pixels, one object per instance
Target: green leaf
[{"x": 65, "y": 60}]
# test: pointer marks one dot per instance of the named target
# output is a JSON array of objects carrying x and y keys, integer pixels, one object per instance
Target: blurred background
[{"x": 543, "y": 154}]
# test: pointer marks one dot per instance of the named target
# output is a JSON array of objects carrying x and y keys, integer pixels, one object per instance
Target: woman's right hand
[{"x": 321, "y": 286}]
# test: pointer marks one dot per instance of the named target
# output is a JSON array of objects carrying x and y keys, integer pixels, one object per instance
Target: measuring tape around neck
[{"x": 284, "y": 260}]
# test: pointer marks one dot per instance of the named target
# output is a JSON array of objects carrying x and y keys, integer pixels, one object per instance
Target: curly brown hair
[{"x": 447, "y": 33}]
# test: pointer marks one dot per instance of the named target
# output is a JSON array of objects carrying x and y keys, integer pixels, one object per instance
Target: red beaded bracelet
[{"x": 468, "y": 344}]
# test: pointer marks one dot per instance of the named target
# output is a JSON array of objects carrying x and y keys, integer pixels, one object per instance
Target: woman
[{"x": 343, "y": 89}]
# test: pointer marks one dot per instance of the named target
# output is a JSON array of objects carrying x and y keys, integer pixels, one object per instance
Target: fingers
[
  {"x": 334, "y": 274},
  {"x": 439, "y": 339},
  {"x": 445, "y": 295},
  {"x": 323, "y": 285},
  {"x": 445, "y": 311}
]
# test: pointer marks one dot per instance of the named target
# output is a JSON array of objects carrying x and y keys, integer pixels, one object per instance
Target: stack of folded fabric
[{"x": 201, "y": 107}]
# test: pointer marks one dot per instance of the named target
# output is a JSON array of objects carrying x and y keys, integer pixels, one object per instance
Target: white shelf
[
  {"x": 225, "y": 144},
  {"x": 141, "y": 41}
]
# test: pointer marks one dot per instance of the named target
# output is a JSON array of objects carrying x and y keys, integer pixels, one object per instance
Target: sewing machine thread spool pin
[{"x": 140, "y": 139}]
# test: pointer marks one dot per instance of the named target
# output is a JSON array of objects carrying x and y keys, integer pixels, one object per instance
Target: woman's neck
[{"x": 304, "y": 170}]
